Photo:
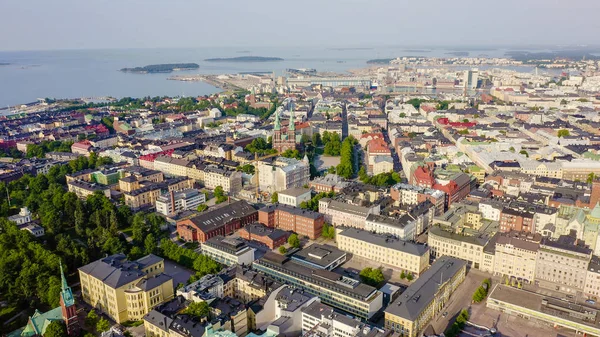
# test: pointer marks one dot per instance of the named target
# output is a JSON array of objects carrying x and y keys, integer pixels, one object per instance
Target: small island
[
  {"x": 161, "y": 68},
  {"x": 245, "y": 59},
  {"x": 458, "y": 53},
  {"x": 4, "y": 64},
  {"x": 379, "y": 61}
]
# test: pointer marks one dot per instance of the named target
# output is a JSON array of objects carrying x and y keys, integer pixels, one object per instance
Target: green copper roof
[
  {"x": 595, "y": 213},
  {"x": 66, "y": 294},
  {"x": 39, "y": 322},
  {"x": 277, "y": 122}
]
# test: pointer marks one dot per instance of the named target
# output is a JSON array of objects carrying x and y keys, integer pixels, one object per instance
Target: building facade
[
  {"x": 125, "y": 290},
  {"x": 288, "y": 218}
]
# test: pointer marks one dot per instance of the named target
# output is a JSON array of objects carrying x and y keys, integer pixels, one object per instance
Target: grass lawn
[{"x": 132, "y": 324}]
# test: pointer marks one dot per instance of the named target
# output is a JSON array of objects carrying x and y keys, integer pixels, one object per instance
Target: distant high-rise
[{"x": 471, "y": 79}]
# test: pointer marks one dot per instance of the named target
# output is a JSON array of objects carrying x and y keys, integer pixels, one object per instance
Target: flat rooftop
[{"x": 320, "y": 256}]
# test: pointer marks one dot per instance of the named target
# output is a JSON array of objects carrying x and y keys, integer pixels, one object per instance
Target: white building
[
  {"x": 282, "y": 311},
  {"x": 174, "y": 202},
  {"x": 399, "y": 227},
  {"x": 340, "y": 213},
  {"x": 24, "y": 216},
  {"x": 283, "y": 173},
  {"x": 228, "y": 250},
  {"x": 319, "y": 319},
  {"x": 294, "y": 196}
]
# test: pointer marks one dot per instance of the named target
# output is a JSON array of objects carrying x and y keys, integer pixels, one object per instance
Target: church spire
[
  {"x": 277, "y": 122},
  {"x": 66, "y": 294},
  {"x": 63, "y": 284}
]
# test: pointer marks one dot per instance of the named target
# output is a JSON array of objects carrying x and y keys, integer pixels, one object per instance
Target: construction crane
[{"x": 256, "y": 159}]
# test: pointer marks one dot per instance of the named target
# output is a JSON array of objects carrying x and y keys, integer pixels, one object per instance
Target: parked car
[{"x": 592, "y": 302}]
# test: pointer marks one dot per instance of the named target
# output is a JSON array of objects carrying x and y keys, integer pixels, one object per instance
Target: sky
[{"x": 92, "y": 24}]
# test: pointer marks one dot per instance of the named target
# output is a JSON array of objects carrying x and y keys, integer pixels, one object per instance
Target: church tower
[{"x": 67, "y": 303}]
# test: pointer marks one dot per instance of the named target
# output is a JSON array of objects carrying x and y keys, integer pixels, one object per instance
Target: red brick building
[
  {"x": 271, "y": 237},
  {"x": 221, "y": 221},
  {"x": 518, "y": 220},
  {"x": 288, "y": 218}
]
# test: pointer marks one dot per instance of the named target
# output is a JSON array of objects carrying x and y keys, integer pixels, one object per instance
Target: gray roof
[
  {"x": 387, "y": 241},
  {"x": 318, "y": 255},
  {"x": 418, "y": 295},
  {"x": 295, "y": 191},
  {"x": 116, "y": 271},
  {"x": 152, "y": 282},
  {"x": 324, "y": 278}
]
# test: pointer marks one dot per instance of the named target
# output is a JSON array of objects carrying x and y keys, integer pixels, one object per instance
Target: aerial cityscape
[{"x": 367, "y": 184}]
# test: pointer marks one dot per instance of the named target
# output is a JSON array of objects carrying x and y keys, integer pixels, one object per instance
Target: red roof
[
  {"x": 378, "y": 145},
  {"x": 153, "y": 156}
]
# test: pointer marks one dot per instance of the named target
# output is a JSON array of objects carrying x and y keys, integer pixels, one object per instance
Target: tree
[
  {"x": 523, "y": 152},
  {"x": 294, "y": 241},
  {"x": 220, "y": 195},
  {"x": 198, "y": 309},
  {"x": 202, "y": 208},
  {"x": 150, "y": 244},
  {"x": 275, "y": 197},
  {"x": 563, "y": 133},
  {"x": 591, "y": 177},
  {"x": 135, "y": 253},
  {"x": 92, "y": 318},
  {"x": 511, "y": 149},
  {"x": 282, "y": 250},
  {"x": 372, "y": 276},
  {"x": 56, "y": 329},
  {"x": 103, "y": 325},
  {"x": 248, "y": 169},
  {"x": 328, "y": 231},
  {"x": 316, "y": 139},
  {"x": 402, "y": 275},
  {"x": 409, "y": 276}
]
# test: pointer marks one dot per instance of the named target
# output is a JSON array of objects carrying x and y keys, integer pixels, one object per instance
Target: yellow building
[
  {"x": 410, "y": 313},
  {"x": 138, "y": 195},
  {"x": 464, "y": 247},
  {"x": 125, "y": 290},
  {"x": 385, "y": 249}
]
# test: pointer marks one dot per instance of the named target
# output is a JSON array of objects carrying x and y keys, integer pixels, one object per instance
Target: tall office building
[{"x": 471, "y": 79}]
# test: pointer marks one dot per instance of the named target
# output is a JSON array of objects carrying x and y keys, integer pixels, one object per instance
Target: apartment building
[
  {"x": 410, "y": 257},
  {"x": 469, "y": 248},
  {"x": 174, "y": 202},
  {"x": 294, "y": 196},
  {"x": 562, "y": 264},
  {"x": 125, "y": 290},
  {"x": 281, "y": 311},
  {"x": 344, "y": 293},
  {"x": 224, "y": 220},
  {"x": 516, "y": 220},
  {"x": 339, "y": 213},
  {"x": 228, "y": 250},
  {"x": 170, "y": 166},
  {"x": 144, "y": 194},
  {"x": 515, "y": 255},
  {"x": 406, "y": 194},
  {"x": 283, "y": 173},
  {"x": 230, "y": 180},
  {"x": 399, "y": 227},
  {"x": 288, "y": 218},
  {"x": 410, "y": 313},
  {"x": 592, "y": 279},
  {"x": 320, "y": 320}
]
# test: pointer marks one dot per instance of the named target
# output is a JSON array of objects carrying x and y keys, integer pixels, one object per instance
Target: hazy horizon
[{"x": 141, "y": 24}]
